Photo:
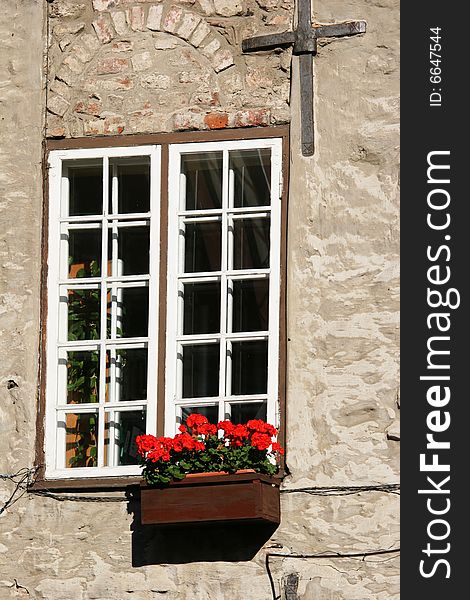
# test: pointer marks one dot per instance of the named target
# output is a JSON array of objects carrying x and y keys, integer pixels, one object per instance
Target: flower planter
[{"x": 212, "y": 498}]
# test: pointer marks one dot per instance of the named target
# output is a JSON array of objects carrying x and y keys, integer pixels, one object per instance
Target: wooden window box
[{"x": 212, "y": 498}]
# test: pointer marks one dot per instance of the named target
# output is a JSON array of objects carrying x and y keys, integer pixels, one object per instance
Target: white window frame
[
  {"x": 173, "y": 399},
  {"x": 56, "y": 407},
  {"x": 54, "y": 446}
]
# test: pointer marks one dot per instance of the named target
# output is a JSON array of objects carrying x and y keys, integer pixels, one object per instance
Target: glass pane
[
  {"x": 201, "y": 308},
  {"x": 249, "y": 367},
  {"x": 200, "y": 370},
  {"x": 83, "y": 314},
  {"x": 130, "y": 306},
  {"x": 121, "y": 429},
  {"x": 132, "y": 248},
  {"x": 81, "y": 435},
  {"x": 252, "y": 177},
  {"x": 129, "y": 368},
  {"x": 130, "y": 185},
  {"x": 84, "y": 253},
  {"x": 250, "y": 305},
  {"x": 203, "y": 246},
  {"x": 85, "y": 189},
  {"x": 203, "y": 180},
  {"x": 210, "y": 412},
  {"x": 243, "y": 412},
  {"x": 83, "y": 375},
  {"x": 251, "y": 243}
]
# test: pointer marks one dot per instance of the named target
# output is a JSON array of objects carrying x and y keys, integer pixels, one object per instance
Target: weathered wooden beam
[
  {"x": 306, "y": 104},
  {"x": 268, "y": 41},
  {"x": 340, "y": 29},
  {"x": 304, "y": 41}
]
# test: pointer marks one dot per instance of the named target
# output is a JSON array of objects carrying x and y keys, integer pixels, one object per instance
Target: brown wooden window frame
[{"x": 163, "y": 141}]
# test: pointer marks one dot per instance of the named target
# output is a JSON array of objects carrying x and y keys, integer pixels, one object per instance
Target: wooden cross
[{"x": 304, "y": 40}]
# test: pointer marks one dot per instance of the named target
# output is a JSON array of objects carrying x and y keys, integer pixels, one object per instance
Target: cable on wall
[{"x": 331, "y": 555}]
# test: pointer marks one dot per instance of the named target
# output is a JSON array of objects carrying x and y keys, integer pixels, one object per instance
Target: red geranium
[
  {"x": 277, "y": 448},
  {"x": 226, "y": 427},
  {"x": 261, "y": 441},
  {"x": 198, "y": 448},
  {"x": 261, "y": 427}
]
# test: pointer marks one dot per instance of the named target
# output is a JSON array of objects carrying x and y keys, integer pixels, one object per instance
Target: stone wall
[
  {"x": 130, "y": 66},
  {"x": 123, "y": 67}
]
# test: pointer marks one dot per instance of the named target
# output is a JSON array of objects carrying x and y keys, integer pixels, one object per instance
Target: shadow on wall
[{"x": 202, "y": 542}]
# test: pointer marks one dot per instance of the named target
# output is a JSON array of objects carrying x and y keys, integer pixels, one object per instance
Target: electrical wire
[
  {"x": 391, "y": 488},
  {"x": 22, "y": 479},
  {"x": 331, "y": 555}
]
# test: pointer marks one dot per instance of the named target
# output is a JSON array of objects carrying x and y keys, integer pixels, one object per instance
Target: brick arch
[
  {"x": 111, "y": 24},
  {"x": 166, "y": 17}
]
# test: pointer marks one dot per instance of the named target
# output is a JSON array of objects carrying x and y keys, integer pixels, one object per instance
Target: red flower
[
  {"x": 207, "y": 429},
  {"x": 163, "y": 453},
  {"x": 261, "y": 441},
  {"x": 178, "y": 445},
  {"x": 195, "y": 420},
  {"x": 226, "y": 427},
  {"x": 236, "y": 435},
  {"x": 145, "y": 443},
  {"x": 160, "y": 449},
  {"x": 240, "y": 431},
  {"x": 261, "y": 427},
  {"x": 277, "y": 448}
]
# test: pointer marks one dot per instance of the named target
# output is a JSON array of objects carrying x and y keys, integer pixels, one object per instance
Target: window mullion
[
  {"x": 223, "y": 285},
  {"x": 104, "y": 314}
]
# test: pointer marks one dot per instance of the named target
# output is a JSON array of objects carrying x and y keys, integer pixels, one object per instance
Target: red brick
[
  {"x": 88, "y": 107},
  {"x": 112, "y": 65},
  {"x": 103, "y": 30},
  {"x": 122, "y": 46},
  {"x": 188, "y": 120},
  {"x": 252, "y": 118},
  {"x": 113, "y": 125},
  {"x": 216, "y": 120}
]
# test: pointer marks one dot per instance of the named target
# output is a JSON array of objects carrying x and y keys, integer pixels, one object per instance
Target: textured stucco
[{"x": 342, "y": 290}]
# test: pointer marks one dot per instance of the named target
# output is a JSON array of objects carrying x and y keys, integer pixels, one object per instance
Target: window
[
  {"x": 223, "y": 281},
  {"x": 108, "y": 291}
]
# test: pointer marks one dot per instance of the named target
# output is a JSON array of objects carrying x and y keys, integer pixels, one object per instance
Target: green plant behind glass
[{"x": 83, "y": 367}]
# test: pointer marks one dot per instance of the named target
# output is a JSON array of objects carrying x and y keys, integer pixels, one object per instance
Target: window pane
[
  {"x": 210, "y": 412},
  {"x": 203, "y": 245},
  {"x": 249, "y": 367},
  {"x": 121, "y": 429},
  {"x": 131, "y": 177},
  {"x": 130, "y": 307},
  {"x": 83, "y": 375},
  {"x": 252, "y": 177},
  {"x": 251, "y": 243},
  {"x": 250, "y": 305},
  {"x": 200, "y": 370},
  {"x": 201, "y": 308},
  {"x": 243, "y": 412},
  {"x": 132, "y": 248},
  {"x": 84, "y": 253},
  {"x": 129, "y": 366},
  {"x": 83, "y": 314},
  {"x": 203, "y": 180},
  {"x": 85, "y": 189},
  {"x": 81, "y": 435}
]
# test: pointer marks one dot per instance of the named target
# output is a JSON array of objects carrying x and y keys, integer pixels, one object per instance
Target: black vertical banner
[{"x": 435, "y": 254}]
